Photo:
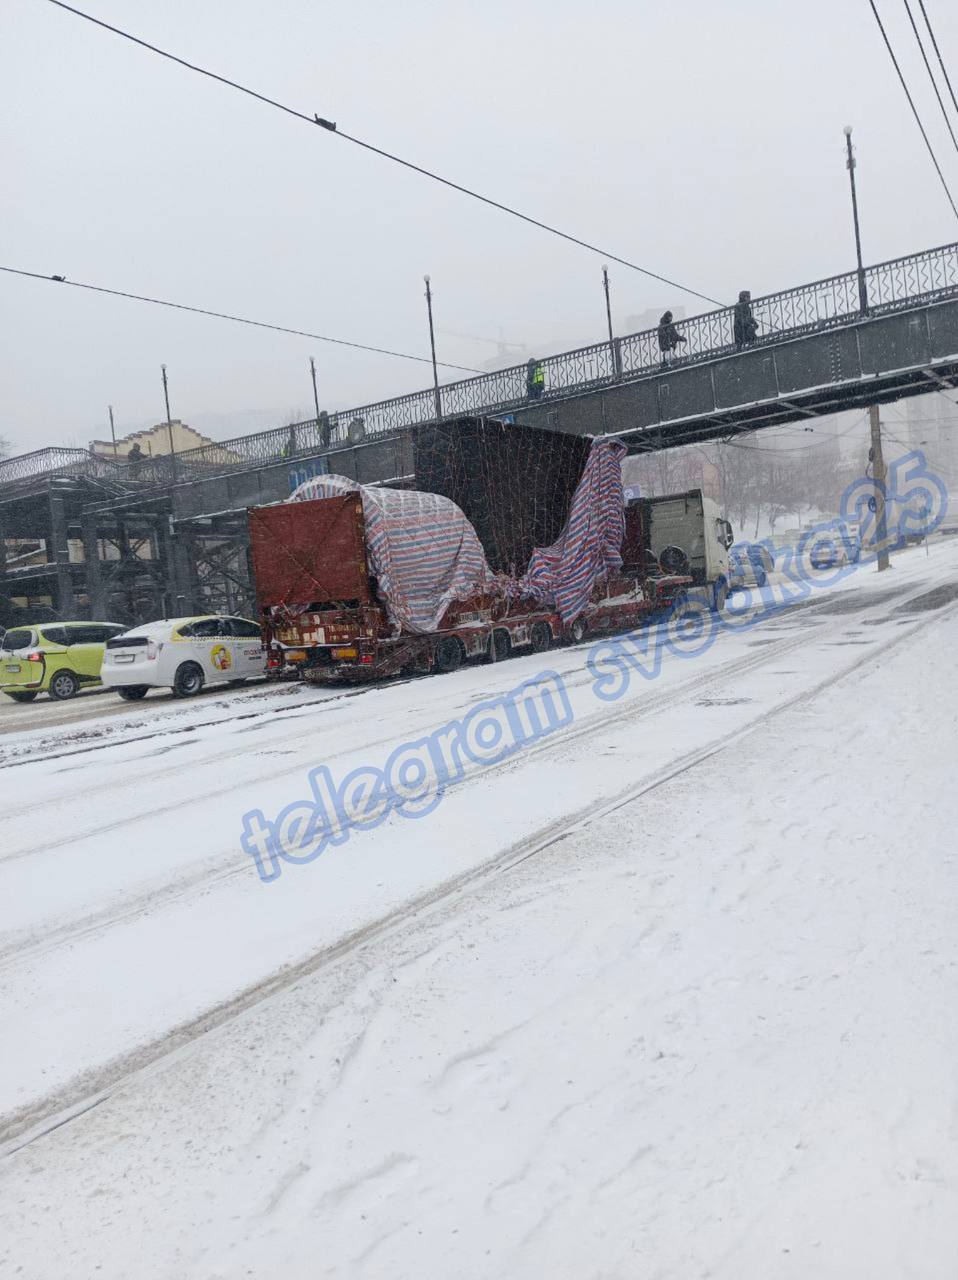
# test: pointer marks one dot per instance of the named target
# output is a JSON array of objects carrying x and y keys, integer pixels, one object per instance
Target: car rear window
[
  {"x": 18, "y": 639},
  {"x": 128, "y": 642}
]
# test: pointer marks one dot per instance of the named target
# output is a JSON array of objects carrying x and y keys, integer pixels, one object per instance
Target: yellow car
[{"x": 53, "y": 657}]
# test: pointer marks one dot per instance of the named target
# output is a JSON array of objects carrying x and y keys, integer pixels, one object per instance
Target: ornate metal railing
[
  {"x": 888, "y": 286},
  {"x": 42, "y": 462}
]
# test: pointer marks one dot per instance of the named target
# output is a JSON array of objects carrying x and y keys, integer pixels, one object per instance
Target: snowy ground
[{"x": 669, "y": 993}]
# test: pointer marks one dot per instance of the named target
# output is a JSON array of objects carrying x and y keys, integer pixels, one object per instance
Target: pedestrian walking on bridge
[
  {"x": 535, "y": 379},
  {"x": 744, "y": 325},
  {"x": 669, "y": 338}
]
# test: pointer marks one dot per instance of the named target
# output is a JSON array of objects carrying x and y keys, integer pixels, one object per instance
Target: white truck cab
[{"x": 693, "y": 523}]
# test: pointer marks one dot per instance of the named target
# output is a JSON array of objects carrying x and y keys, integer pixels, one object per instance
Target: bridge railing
[
  {"x": 921, "y": 277},
  {"x": 42, "y": 462},
  {"x": 901, "y": 282}
]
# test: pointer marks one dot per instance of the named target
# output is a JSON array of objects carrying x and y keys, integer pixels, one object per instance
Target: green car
[{"x": 53, "y": 657}]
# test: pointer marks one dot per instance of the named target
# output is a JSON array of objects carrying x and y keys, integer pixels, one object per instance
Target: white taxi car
[{"x": 183, "y": 654}]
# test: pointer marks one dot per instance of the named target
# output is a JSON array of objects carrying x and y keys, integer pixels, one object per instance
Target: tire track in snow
[
  {"x": 30, "y": 1124},
  {"x": 230, "y": 865},
  {"x": 574, "y": 680}
]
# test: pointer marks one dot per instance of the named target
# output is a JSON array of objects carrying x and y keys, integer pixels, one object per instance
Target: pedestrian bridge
[{"x": 840, "y": 343}]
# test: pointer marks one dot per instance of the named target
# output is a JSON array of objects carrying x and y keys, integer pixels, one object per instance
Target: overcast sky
[{"x": 703, "y": 140}]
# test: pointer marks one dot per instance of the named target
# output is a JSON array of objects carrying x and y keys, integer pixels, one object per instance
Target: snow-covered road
[{"x": 666, "y": 993}]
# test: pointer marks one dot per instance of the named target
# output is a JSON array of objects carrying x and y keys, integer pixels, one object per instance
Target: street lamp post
[
  {"x": 169, "y": 420},
  {"x": 169, "y": 424},
  {"x": 850, "y": 165},
  {"x": 608, "y": 316},
  {"x": 432, "y": 345}
]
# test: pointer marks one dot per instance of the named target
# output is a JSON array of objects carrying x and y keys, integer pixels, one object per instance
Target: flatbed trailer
[{"x": 323, "y": 618}]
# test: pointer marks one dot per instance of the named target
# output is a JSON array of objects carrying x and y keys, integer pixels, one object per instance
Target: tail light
[
  {"x": 274, "y": 658},
  {"x": 36, "y": 656}
]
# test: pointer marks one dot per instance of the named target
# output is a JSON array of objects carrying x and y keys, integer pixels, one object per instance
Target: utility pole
[
  {"x": 169, "y": 420},
  {"x": 432, "y": 344},
  {"x": 850, "y": 165},
  {"x": 112, "y": 431},
  {"x": 312, "y": 370},
  {"x": 877, "y": 459},
  {"x": 608, "y": 317}
]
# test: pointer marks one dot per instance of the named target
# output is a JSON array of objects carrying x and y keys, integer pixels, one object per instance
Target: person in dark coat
[
  {"x": 535, "y": 379},
  {"x": 744, "y": 326},
  {"x": 134, "y": 459},
  {"x": 669, "y": 337}
]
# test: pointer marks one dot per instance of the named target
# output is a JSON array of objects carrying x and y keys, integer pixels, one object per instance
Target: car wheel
[
  {"x": 541, "y": 637},
  {"x": 188, "y": 680},
  {"x": 20, "y": 695},
  {"x": 64, "y": 685},
  {"x": 134, "y": 692},
  {"x": 449, "y": 655}
]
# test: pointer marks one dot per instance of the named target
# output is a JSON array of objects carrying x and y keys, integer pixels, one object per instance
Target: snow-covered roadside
[
  {"x": 138, "y": 868},
  {"x": 707, "y": 1033}
]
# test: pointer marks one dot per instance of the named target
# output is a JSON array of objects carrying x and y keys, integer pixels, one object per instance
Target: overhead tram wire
[
  {"x": 914, "y": 109},
  {"x": 941, "y": 61},
  {"x": 931, "y": 74},
  {"x": 225, "y": 315},
  {"x": 330, "y": 127}
]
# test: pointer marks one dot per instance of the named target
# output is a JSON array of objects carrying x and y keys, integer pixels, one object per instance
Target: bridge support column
[{"x": 59, "y": 552}]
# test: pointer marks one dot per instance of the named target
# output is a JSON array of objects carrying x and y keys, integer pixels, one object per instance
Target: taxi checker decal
[{"x": 221, "y": 657}]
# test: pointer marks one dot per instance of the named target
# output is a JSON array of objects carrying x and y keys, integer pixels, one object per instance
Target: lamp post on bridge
[
  {"x": 850, "y": 165},
  {"x": 432, "y": 344},
  {"x": 613, "y": 351}
]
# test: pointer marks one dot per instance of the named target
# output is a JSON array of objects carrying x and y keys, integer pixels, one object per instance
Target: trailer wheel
[
  {"x": 449, "y": 655},
  {"x": 541, "y": 637},
  {"x": 500, "y": 646}
]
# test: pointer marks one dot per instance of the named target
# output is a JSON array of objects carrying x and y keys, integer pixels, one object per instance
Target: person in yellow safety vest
[{"x": 535, "y": 379}]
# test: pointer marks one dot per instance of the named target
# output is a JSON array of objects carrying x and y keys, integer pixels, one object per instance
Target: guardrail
[{"x": 902, "y": 282}]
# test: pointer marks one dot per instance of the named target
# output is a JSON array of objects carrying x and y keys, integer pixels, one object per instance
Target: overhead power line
[
  {"x": 330, "y": 127},
  {"x": 914, "y": 109},
  {"x": 941, "y": 61},
  {"x": 931, "y": 74},
  {"x": 225, "y": 315}
]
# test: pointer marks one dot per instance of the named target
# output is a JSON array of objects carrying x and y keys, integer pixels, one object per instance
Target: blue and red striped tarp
[
  {"x": 589, "y": 547},
  {"x": 426, "y": 555},
  {"x": 422, "y": 550}
]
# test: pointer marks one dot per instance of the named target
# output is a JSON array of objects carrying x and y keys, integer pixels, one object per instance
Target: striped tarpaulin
[
  {"x": 422, "y": 550},
  {"x": 589, "y": 547}
]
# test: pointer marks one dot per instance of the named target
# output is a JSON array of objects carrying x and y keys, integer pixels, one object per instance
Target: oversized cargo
[
  {"x": 419, "y": 593},
  {"x": 514, "y": 484},
  {"x": 422, "y": 551}
]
